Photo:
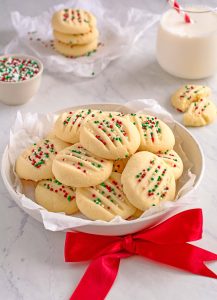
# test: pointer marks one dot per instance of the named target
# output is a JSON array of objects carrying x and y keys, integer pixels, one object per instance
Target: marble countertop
[{"x": 31, "y": 258}]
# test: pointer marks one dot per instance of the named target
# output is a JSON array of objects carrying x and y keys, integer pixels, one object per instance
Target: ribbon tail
[
  {"x": 183, "y": 256},
  {"x": 205, "y": 256},
  {"x": 98, "y": 278}
]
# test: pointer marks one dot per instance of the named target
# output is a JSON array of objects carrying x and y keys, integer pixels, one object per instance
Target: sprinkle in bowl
[{"x": 20, "y": 77}]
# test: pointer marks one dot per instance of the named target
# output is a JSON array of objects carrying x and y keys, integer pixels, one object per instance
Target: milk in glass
[{"x": 188, "y": 50}]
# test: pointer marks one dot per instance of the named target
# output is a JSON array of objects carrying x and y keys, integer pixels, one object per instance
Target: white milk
[{"x": 188, "y": 50}]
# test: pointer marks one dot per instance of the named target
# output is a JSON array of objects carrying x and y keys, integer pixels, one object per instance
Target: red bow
[{"x": 166, "y": 243}]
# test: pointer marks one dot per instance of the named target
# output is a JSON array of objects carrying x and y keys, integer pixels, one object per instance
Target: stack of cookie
[
  {"x": 75, "y": 32},
  {"x": 103, "y": 164}
]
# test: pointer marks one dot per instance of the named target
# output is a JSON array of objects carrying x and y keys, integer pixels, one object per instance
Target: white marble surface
[{"x": 31, "y": 258}]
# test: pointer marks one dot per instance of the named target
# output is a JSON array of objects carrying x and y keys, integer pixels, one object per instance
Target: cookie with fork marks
[
  {"x": 67, "y": 126},
  {"x": 187, "y": 94},
  {"x": 73, "y": 21},
  {"x": 77, "y": 167},
  {"x": 200, "y": 113},
  {"x": 155, "y": 135},
  {"x": 110, "y": 136},
  {"x": 35, "y": 162},
  {"x": 56, "y": 197},
  {"x": 147, "y": 180},
  {"x": 104, "y": 201},
  {"x": 172, "y": 159}
]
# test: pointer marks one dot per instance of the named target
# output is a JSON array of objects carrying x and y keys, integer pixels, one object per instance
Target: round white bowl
[
  {"x": 190, "y": 146},
  {"x": 17, "y": 93}
]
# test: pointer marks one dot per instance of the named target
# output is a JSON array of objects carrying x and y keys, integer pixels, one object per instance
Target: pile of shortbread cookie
[
  {"x": 103, "y": 164},
  {"x": 75, "y": 32},
  {"x": 196, "y": 103}
]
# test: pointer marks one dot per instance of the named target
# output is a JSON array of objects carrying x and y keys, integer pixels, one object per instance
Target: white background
[{"x": 31, "y": 258}]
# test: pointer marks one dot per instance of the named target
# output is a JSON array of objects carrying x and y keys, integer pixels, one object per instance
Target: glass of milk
[{"x": 188, "y": 50}]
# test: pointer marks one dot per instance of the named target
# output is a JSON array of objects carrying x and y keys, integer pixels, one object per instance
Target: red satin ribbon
[{"x": 166, "y": 243}]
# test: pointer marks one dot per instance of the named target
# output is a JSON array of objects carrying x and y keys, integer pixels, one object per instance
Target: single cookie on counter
[
  {"x": 155, "y": 135},
  {"x": 67, "y": 126},
  {"x": 35, "y": 162},
  {"x": 73, "y": 21},
  {"x": 172, "y": 159},
  {"x": 104, "y": 201},
  {"x": 75, "y": 166},
  {"x": 200, "y": 113},
  {"x": 110, "y": 136},
  {"x": 77, "y": 39},
  {"x": 56, "y": 197},
  {"x": 75, "y": 50},
  {"x": 187, "y": 94},
  {"x": 147, "y": 180}
]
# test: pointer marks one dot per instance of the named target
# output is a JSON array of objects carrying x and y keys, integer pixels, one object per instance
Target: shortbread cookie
[
  {"x": 120, "y": 164},
  {"x": 200, "y": 113},
  {"x": 104, "y": 201},
  {"x": 75, "y": 50},
  {"x": 155, "y": 135},
  {"x": 187, "y": 94},
  {"x": 73, "y": 21},
  {"x": 67, "y": 127},
  {"x": 56, "y": 197},
  {"x": 110, "y": 136},
  {"x": 35, "y": 163},
  {"x": 136, "y": 215},
  {"x": 77, "y": 167},
  {"x": 147, "y": 180},
  {"x": 76, "y": 39},
  {"x": 172, "y": 159}
]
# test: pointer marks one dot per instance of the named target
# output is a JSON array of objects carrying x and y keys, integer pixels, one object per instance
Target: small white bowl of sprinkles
[{"x": 20, "y": 77}]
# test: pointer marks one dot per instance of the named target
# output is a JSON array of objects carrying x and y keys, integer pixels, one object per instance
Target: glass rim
[{"x": 200, "y": 9}]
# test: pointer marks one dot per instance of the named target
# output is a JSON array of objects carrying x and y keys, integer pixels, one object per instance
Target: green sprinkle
[
  {"x": 57, "y": 182},
  {"x": 76, "y": 151},
  {"x": 98, "y": 201}
]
